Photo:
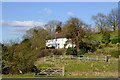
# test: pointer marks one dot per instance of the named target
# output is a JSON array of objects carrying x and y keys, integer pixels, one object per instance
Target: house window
[{"x": 56, "y": 45}]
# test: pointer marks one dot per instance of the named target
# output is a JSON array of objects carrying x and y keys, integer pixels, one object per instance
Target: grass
[
  {"x": 46, "y": 65},
  {"x": 20, "y": 75},
  {"x": 92, "y": 56},
  {"x": 83, "y": 65},
  {"x": 66, "y": 76}
]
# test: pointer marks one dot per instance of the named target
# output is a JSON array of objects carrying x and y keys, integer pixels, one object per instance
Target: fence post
[
  {"x": 61, "y": 57},
  {"x": 88, "y": 58},
  {"x": 107, "y": 58},
  {"x": 63, "y": 71},
  {"x": 44, "y": 59},
  {"x": 71, "y": 56},
  {"x": 97, "y": 58},
  {"x": 53, "y": 57}
]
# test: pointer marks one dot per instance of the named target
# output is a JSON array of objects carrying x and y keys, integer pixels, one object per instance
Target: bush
[
  {"x": 114, "y": 53},
  {"x": 58, "y": 51},
  {"x": 81, "y": 52},
  {"x": 93, "y": 48},
  {"x": 114, "y": 41},
  {"x": 5, "y": 70},
  {"x": 71, "y": 51},
  {"x": 106, "y": 38},
  {"x": 33, "y": 69},
  {"x": 96, "y": 43},
  {"x": 43, "y": 53}
]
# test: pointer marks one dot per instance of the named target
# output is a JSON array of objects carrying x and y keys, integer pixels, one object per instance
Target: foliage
[
  {"x": 43, "y": 53},
  {"x": 71, "y": 51},
  {"x": 33, "y": 68},
  {"x": 106, "y": 38},
  {"x": 116, "y": 39},
  {"x": 58, "y": 28},
  {"x": 115, "y": 53},
  {"x": 77, "y": 30},
  {"x": 81, "y": 51},
  {"x": 23, "y": 55},
  {"x": 96, "y": 43},
  {"x": 85, "y": 45},
  {"x": 58, "y": 51}
]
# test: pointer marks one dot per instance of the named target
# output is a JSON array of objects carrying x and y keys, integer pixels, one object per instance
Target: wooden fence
[
  {"x": 71, "y": 57},
  {"x": 51, "y": 71}
]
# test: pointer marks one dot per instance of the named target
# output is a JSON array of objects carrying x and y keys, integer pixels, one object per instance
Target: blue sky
[{"x": 17, "y": 17}]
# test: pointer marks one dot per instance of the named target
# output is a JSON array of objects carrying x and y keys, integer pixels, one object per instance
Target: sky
[{"x": 17, "y": 17}]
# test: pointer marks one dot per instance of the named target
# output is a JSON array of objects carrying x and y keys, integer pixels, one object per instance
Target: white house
[{"x": 59, "y": 41}]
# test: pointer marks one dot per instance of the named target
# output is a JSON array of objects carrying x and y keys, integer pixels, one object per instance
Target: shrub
[
  {"x": 106, "y": 38},
  {"x": 33, "y": 69},
  {"x": 5, "y": 70},
  {"x": 82, "y": 45},
  {"x": 114, "y": 41},
  {"x": 71, "y": 51},
  {"x": 95, "y": 43},
  {"x": 93, "y": 48},
  {"x": 114, "y": 53},
  {"x": 43, "y": 53},
  {"x": 58, "y": 51},
  {"x": 101, "y": 51},
  {"x": 81, "y": 52}
]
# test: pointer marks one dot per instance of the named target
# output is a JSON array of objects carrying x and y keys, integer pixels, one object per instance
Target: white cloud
[
  {"x": 15, "y": 33},
  {"x": 19, "y": 27},
  {"x": 48, "y": 11},
  {"x": 69, "y": 13},
  {"x": 22, "y": 23}
]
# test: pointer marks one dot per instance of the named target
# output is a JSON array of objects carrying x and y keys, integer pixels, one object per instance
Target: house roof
[{"x": 58, "y": 35}]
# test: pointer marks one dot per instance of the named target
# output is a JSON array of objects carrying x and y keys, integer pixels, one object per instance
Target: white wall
[{"x": 58, "y": 43}]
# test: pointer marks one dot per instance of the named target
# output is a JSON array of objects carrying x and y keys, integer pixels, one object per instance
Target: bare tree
[
  {"x": 112, "y": 19},
  {"x": 100, "y": 21},
  {"x": 51, "y": 26}
]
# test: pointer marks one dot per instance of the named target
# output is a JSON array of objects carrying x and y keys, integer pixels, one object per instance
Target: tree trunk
[
  {"x": 77, "y": 44},
  {"x": 101, "y": 31},
  {"x": 114, "y": 28},
  {"x": 77, "y": 48}
]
